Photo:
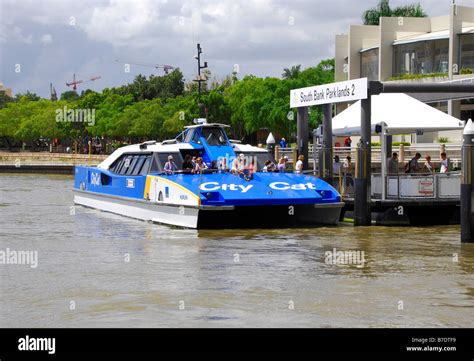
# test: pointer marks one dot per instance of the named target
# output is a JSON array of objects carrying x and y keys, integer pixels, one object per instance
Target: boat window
[
  {"x": 189, "y": 136},
  {"x": 181, "y": 136},
  {"x": 116, "y": 165},
  {"x": 138, "y": 166},
  {"x": 196, "y": 138},
  {"x": 146, "y": 165},
  {"x": 127, "y": 158},
  {"x": 214, "y": 136},
  {"x": 133, "y": 162}
]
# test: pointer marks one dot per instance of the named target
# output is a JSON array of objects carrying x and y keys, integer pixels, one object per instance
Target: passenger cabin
[{"x": 208, "y": 141}]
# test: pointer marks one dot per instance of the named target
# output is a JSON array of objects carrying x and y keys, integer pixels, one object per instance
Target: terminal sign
[{"x": 344, "y": 91}]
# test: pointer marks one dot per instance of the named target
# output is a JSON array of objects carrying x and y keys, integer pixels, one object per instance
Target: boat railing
[{"x": 405, "y": 152}]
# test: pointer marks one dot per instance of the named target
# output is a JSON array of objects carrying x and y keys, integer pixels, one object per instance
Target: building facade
[
  {"x": 436, "y": 49},
  {"x": 5, "y": 90}
]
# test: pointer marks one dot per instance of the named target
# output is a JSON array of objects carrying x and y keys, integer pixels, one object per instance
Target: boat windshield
[{"x": 214, "y": 136}]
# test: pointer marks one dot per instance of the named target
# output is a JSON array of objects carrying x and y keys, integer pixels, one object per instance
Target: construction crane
[
  {"x": 75, "y": 82},
  {"x": 52, "y": 90},
  {"x": 166, "y": 68}
]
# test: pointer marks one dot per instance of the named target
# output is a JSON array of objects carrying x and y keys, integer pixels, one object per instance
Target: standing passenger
[
  {"x": 348, "y": 169},
  {"x": 444, "y": 163},
  {"x": 428, "y": 166},
  {"x": 392, "y": 164},
  {"x": 336, "y": 167},
  {"x": 282, "y": 165},
  {"x": 299, "y": 164},
  {"x": 412, "y": 166}
]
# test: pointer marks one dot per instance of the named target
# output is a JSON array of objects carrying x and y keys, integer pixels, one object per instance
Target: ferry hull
[
  {"x": 271, "y": 216},
  {"x": 203, "y": 217},
  {"x": 173, "y": 215}
]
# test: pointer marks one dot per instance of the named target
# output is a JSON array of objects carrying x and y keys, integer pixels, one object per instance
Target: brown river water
[{"x": 95, "y": 269}]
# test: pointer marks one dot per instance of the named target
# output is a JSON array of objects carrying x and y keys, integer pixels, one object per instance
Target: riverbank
[{"x": 45, "y": 162}]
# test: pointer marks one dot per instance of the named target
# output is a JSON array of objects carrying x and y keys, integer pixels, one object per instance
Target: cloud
[
  {"x": 46, "y": 39},
  {"x": 121, "y": 22},
  {"x": 15, "y": 34},
  {"x": 262, "y": 36}
]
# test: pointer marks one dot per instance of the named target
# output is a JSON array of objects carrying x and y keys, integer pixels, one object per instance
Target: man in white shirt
[{"x": 444, "y": 163}]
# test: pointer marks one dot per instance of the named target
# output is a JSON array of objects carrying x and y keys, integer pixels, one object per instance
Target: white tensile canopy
[{"x": 401, "y": 114}]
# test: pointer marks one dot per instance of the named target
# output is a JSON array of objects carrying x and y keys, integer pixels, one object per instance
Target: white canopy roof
[{"x": 401, "y": 113}]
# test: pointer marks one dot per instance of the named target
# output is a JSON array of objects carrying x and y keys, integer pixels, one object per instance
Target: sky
[{"x": 46, "y": 41}]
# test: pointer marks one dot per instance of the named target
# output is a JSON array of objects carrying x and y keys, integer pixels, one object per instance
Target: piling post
[
  {"x": 467, "y": 213},
  {"x": 294, "y": 155},
  {"x": 362, "y": 215},
  {"x": 326, "y": 148},
  {"x": 302, "y": 131}
]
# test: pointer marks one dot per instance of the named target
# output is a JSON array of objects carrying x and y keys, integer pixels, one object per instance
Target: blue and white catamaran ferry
[{"x": 135, "y": 181}]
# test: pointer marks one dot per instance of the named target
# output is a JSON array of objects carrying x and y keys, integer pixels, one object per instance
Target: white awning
[
  {"x": 401, "y": 113},
  {"x": 435, "y": 35}
]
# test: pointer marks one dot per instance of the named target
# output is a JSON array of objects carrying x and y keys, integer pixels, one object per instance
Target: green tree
[
  {"x": 167, "y": 86},
  {"x": 69, "y": 95},
  {"x": 28, "y": 95},
  {"x": 291, "y": 73},
  {"x": 179, "y": 112},
  {"x": 372, "y": 15},
  {"x": 4, "y": 99},
  {"x": 217, "y": 105}
]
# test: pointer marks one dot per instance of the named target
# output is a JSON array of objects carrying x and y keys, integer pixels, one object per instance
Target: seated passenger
[
  {"x": 249, "y": 170},
  {"x": 200, "y": 166},
  {"x": 223, "y": 165},
  {"x": 188, "y": 165},
  {"x": 238, "y": 164},
  {"x": 213, "y": 165},
  {"x": 269, "y": 166},
  {"x": 170, "y": 166}
]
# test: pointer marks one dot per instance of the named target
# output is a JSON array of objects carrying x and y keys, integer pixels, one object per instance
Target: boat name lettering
[
  {"x": 281, "y": 186},
  {"x": 214, "y": 186}
]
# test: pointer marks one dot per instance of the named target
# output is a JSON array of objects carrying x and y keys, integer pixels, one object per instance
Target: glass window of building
[
  {"x": 467, "y": 51},
  {"x": 422, "y": 57},
  {"x": 369, "y": 64}
]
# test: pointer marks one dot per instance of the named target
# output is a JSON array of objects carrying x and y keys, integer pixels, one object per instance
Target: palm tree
[
  {"x": 291, "y": 73},
  {"x": 372, "y": 16}
]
